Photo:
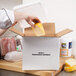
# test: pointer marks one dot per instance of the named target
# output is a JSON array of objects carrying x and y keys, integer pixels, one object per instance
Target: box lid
[{"x": 49, "y": 31}]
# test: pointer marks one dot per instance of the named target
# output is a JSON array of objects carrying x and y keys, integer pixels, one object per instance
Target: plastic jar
[{"x": 66, "y": 47}]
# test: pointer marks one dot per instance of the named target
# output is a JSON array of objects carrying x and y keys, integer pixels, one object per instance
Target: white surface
[
  {"x": 63, "y": 13},
  {"x": 34, "y": 45},
  {"x": 32, "y": 9}
]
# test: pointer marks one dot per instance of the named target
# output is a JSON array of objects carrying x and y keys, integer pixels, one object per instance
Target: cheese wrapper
[
  {"x": 70, "y": 68},
  {"x": 38, "y": 29},
  {"x": 70, "y": 62}
]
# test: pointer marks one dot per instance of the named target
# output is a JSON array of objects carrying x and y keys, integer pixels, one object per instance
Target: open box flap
[
  {"x": 63, "y": 32},
  {"x": 48, "y": 27},
  {"x": 16, "y": 31},
  {"x": 49, "y": 31}
]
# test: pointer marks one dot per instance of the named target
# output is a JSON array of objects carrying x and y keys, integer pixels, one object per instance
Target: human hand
[{"x": 30, "y": 19}]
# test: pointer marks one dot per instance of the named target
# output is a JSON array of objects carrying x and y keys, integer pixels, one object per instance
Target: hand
[{"x": 30, "y": 19}]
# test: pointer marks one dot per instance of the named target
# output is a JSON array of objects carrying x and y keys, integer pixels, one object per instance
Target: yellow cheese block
[
  {"x": 70, "y": 68},
  {"x": 70, "y": 62},
  {"x": 38, "y": 29}
]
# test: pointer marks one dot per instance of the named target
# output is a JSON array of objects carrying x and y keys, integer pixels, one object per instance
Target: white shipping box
[{"x": 41, "y": 53}]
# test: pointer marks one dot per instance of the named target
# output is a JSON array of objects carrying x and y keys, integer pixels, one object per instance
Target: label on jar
[
  {"x": 64, "y": 52},
  {"x": 70, "y": 45},
  {"x": 18, "y": 48},
  {"x": 63, "y": 45}
]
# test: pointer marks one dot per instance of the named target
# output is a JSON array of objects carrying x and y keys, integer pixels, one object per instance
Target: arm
[
  {"x": 10, "y": 18},
  {"x": 29, "y": 19},
  {"x": 2, "y": 31},
  {"x": 6, "y": 20}
]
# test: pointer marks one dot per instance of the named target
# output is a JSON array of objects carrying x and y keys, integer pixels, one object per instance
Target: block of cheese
[
  {"x": 38, "y": 29},
  {"x": 70, "y": 68},
  {"x": 70, "y": 62},
  {"x": 70, "y": 65}
]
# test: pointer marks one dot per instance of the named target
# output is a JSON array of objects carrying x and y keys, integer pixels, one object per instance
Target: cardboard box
[{"x": 41, "y": 53}]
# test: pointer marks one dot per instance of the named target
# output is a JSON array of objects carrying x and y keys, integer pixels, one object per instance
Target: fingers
[
  {"x": 29, "y": 21},
  {"x": 32, "y": 20},
  {"x": 36, "y": 20}
]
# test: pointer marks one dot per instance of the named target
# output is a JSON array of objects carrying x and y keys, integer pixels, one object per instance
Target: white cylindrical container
[
  {"x": 66, "y": 47},
  {"x": 18, "y": 43}
]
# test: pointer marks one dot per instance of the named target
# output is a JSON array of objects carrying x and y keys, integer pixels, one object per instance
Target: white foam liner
[{"x": 34, "y": 8}]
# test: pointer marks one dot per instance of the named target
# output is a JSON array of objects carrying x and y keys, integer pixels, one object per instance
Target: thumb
[{"x": 31, "y": 23}]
